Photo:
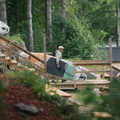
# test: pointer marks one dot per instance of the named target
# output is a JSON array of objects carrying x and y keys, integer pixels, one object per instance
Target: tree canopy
[{"x": 88, "y": 23}]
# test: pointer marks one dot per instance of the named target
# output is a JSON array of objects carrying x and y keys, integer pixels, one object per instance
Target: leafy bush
[
  {"x": 78, "y": 40},
  {"x": 2, "y": 103},
  {"x": 26, "y": 78}
]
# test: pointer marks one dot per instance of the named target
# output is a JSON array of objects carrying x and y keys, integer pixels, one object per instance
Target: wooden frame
[{"x": 93, "y": 63}]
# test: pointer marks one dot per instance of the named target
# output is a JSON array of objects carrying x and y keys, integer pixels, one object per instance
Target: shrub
[{"x": 78, "y": 40}]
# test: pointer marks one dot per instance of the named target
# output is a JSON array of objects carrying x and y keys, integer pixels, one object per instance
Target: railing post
[
  {"x": 45, "y": 57},
  {"x": 7, "y": 49},
  {"x": 110, "y": 50},
  {"x": 10, "y": 52},
  {"x": 74, "y": 78},
  {"x": 103, "y": 72}
]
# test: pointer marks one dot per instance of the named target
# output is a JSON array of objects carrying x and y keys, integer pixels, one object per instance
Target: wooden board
[
  {"x": 82, "y": 84},
  {"x": 50, "y": 88},
  {"x": 102, "y": 115}
]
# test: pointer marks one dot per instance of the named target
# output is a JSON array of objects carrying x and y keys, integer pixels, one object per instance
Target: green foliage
[
  {"x": 3, "y": 85},
  {"x": 15, "y": 38},
  {"x": 26, "y": 78},
  {"x": 78, "y": 40},
  {"x": 101, "y": 15}
]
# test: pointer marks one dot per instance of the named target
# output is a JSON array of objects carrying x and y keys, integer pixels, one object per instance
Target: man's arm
[{"x": 57, "y": 60}]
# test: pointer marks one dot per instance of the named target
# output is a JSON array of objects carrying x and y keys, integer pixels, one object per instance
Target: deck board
[{"x": 79, "y": 84}]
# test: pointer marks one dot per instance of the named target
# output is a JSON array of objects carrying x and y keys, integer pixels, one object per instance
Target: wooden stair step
[
  {"x": 14, "y": 62},
  {"x": 2, "y": 55},
  {"x": 7, "y": 58}
]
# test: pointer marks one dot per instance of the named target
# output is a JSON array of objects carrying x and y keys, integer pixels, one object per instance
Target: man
[{"x": 58, "y": 55}]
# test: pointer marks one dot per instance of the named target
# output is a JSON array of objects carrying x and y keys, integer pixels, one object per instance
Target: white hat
[{"x": 60, "y": 47}]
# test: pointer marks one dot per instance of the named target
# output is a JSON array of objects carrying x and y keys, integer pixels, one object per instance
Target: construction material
[
  {"x": 53, "y": 90},
  {"x": 102, "y": 115},
  {"x": 82, "y": 84}
]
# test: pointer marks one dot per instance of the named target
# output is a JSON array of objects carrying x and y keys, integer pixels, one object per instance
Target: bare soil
[{"x": 19, "y": 94}]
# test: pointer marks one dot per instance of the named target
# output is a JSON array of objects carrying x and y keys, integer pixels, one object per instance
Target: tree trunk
[
  {"x": 48, "y": 29},
  {"x": 3, "y": 15},
  {"x": 63, "y": 4},
  {"x": 30, "y": 30},
  {"x": 118, "y": 23},
  {"x": 63, "y": 12}
]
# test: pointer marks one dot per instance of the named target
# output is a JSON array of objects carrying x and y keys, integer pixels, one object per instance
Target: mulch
[{"x": 19, "y": 94}]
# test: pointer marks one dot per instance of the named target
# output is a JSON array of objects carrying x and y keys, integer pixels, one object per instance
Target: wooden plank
[
  {"x": 90, "y": 64},
  {"x": 116, "y": 68},
  {"x": 74, "y": 78},
  {"x": 91, "y": 71},
  {"x": 102, "y": 115},
  {"x": 103, "y": 72},
  {"x": 110, "y": 51},
  {"x": 81, "y": 86},
  {"x": 45, "y": 58},
  {"x": 51, "y": 90},
  {"x": 75, "y": 101},
  {"x": 84, "y": 82},
  {"x": 10, "y": 51},
  {"x": 87, "y": 61},
  {"x": 49, "y": 53}
]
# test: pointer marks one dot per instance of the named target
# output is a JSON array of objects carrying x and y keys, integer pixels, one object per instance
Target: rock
[
  {"x": 20, "y": 65},
  {"x": 27, "y": 108},
  {"x": 41, "y": 109},
  {"x": 22, "y": 44},
  {"x": 100, "y": 101},
  {"x": 4, "y": 69}
]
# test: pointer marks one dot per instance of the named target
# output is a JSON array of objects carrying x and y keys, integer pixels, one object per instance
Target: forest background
[{"x": 86, "y": 26}]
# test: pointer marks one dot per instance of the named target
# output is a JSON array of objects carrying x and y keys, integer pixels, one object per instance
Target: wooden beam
[
  {"x": 87, "y": 61},
  {"x": 92, "y": 71},
  {"x": 74, "y": 78},
  {"x": 115, "y": 68},
  {"x": 110, "y": 50},
  {"x": 45, "y": 58},
  {"x": 10, "y": 52},
  {"x": 91, "y": 64},
  {"x": 102, "y": 115}
]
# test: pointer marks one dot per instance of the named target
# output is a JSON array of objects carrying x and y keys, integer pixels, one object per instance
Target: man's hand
[
  {"x": 58, "y": 66},
  {"x": 118, "y": 75}
]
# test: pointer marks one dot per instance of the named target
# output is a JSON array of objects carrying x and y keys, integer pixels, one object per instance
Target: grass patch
[{"x": 15, "y": 38}]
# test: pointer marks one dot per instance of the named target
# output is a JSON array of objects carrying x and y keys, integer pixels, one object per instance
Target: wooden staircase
[{"x": 9, "y": 49}]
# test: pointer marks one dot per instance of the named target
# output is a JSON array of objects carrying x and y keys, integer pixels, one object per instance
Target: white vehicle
[{"x": 4, "y": 29}]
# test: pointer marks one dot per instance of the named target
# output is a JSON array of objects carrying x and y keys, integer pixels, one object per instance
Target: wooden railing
[
  {"x": 9, "y": 51},
  {"x": 90, "y": 63},
  {"x": 94, "y": 63}
]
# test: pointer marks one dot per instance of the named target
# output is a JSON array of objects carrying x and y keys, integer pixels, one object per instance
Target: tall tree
[
  {"x": 3, "y": 16},
  {"x": 63, "y": 4},
  {"x": 63, "y": 11},
  {"x": 48, "y": 29},
  {"x": 30, "y": 30},
  {"x": 118, "y": 23}
]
